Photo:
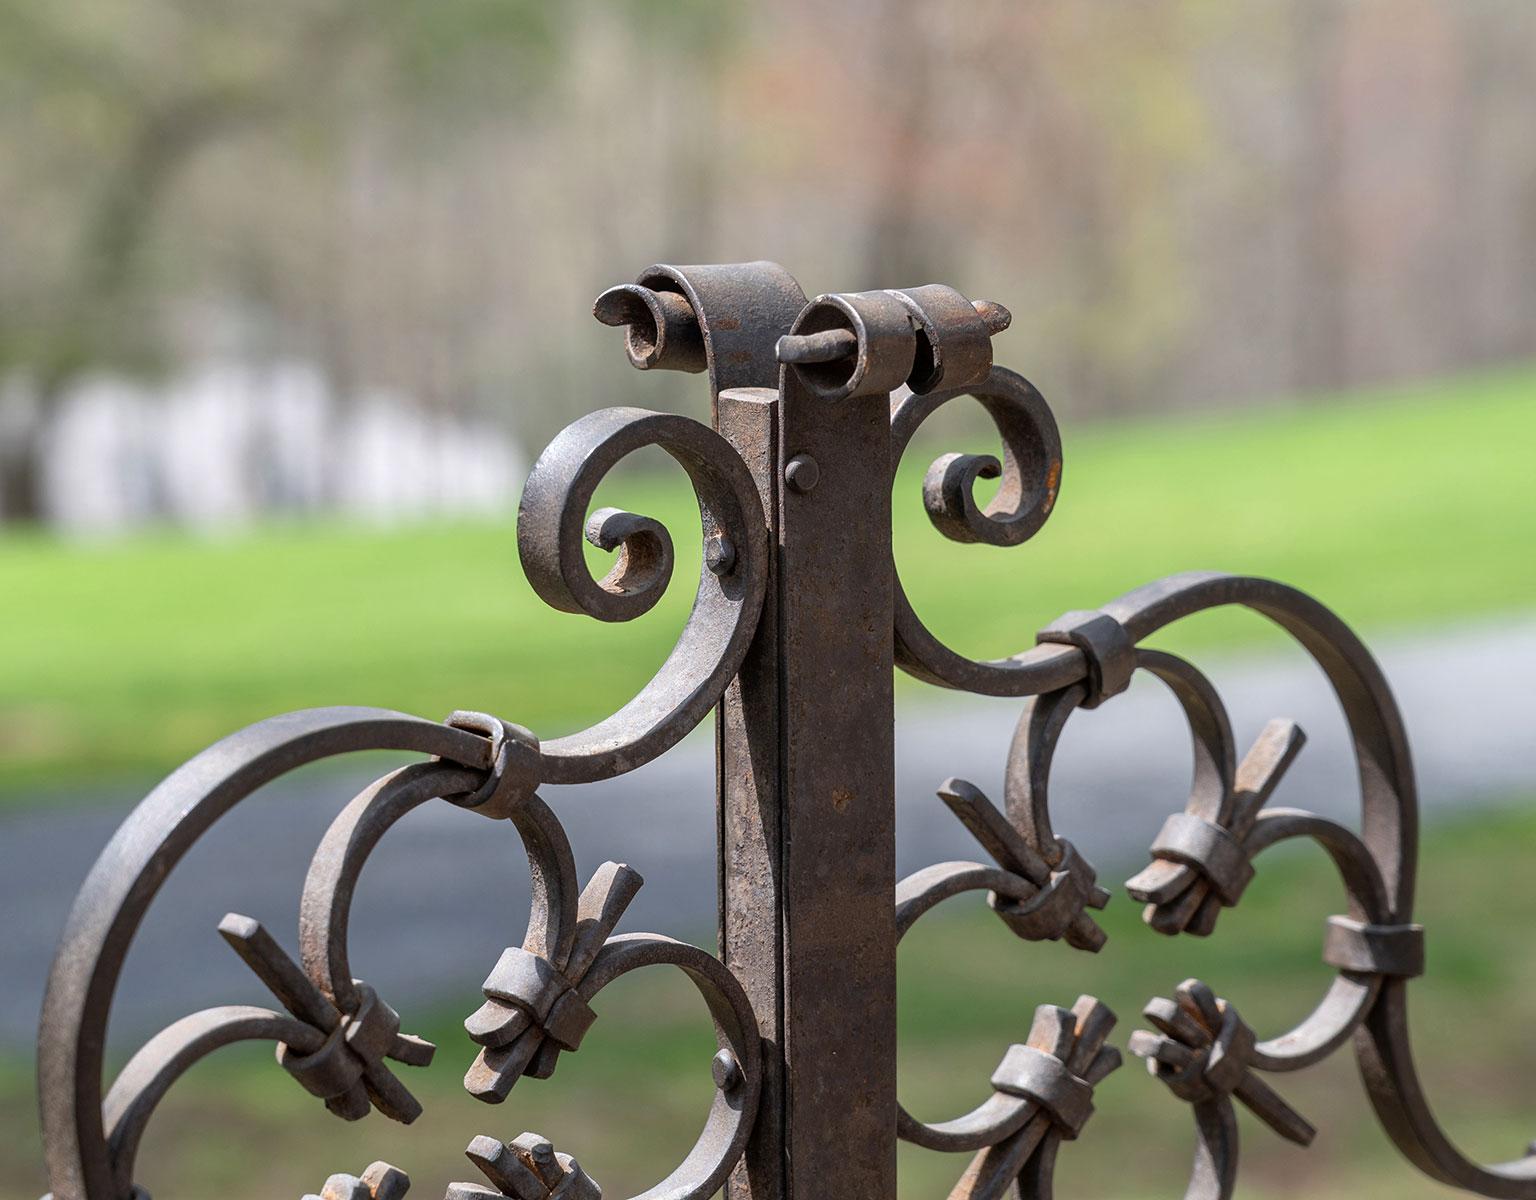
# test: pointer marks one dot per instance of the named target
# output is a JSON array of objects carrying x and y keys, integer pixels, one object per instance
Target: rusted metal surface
[{"x": 798, "y": 623}]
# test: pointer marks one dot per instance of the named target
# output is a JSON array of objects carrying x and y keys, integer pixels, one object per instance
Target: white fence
[{"x": 224, "y": 443}]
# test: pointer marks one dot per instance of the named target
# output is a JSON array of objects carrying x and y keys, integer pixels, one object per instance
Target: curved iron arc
[
  {"x": 128, "y": 874},
  {"x": 170, "y": 1054},
  {"x": 1378, "y": 865},
  {"x": 528, "y": 1168},
  {"x": 749, "y": 326},
  {"x": 326, "y": 904},
  {"x": 738, "y": 1080},
  {"x": 1388, "y": 838},
  {"x": 1389, "y": 797},
  {"x": 1351, "y": 994},
  {"x": 1000, "y": 1115}
]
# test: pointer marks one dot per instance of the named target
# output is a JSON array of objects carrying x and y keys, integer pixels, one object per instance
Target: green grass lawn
[
  {"x": 629, "y": 1104},
  {"x": 123, "y": 658}
]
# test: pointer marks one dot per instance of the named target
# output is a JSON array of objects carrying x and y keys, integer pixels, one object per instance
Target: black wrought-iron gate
[{"x": 798, "y": 623}]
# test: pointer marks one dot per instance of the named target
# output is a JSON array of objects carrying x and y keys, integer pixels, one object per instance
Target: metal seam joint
[
  {"x": 1395, "y": 950},
  {"x": 1040, "y": 1076},
  {"x": 530, "y": 984},
  {"x": 1053, "y": 912},
  {"x": 1108, "y": 649},
  {"x": 514, "y": 773}
]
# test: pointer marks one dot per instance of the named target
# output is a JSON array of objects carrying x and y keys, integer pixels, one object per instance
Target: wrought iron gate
[{"x": 798, "y": 623}]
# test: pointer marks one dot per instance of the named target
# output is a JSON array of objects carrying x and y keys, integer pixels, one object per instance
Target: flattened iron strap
[
  {"x": 1395, "y": 950},
  {"x": 1110, "y": 652}
]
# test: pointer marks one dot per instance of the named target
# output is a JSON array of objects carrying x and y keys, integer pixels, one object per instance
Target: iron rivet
[
  {"x": 802, "y": 473},
  {"x": 719, "y": 554},
  {"x": 726, "y": 1070}
]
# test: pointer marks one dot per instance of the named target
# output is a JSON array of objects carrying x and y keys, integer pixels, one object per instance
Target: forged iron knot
[
  {"x": 1204, "y": 1052},
  {"x": 526, "y": 1168},
  {"x": 526, "y": 989},
  {"x": 1201, "y": 862},
  {"x": 379, "y": 1182},
  {"x": 1062, "y": 1060},
  {"x": 1054, "y": 912},
  {"x": 348, "y": 1071},
  {"x": 533, "y": 1007},
  {"x": 1042, "y": 1077},
  {"x": 514, "y": 773},
  {"x": 361, "y": 1040},
  {"x": 1210, "y": 849},
  {"x": 1394, "y": 950},
  {"x": 1057, "y": 900}
]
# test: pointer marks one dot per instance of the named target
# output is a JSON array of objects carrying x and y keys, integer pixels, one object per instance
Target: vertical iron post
[
  {"x": 750, "y": 818},
  {"x": 837, "y": 719},
  {"x": 807, "y": 786}
]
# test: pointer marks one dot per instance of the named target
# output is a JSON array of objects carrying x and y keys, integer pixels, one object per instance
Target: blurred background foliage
[
  {"x": 329, "y": 261},
  {"x": 1187, "y": 202}
]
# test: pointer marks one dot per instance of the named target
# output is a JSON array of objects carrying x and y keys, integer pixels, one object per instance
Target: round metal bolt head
[
  {"x": 726, "y": 1070},
  {"x": 802, "y": 473},
  {"x": 719, "y": 554}
]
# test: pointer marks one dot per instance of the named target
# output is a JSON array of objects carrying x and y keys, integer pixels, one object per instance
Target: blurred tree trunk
[
  {"x": 899, "y": 250},
  {"x": 1321, "y": 316},
  {"x": 21, "y": 455},
  {"x": 97, "y": 320}
]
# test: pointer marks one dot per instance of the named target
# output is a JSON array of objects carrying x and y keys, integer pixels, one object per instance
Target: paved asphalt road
[{"x": 442, "y": 896}]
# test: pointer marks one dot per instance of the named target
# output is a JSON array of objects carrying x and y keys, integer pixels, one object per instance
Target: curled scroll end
[
  {"x": 644, "y": 567},
  {"x": 661, "y": 330},
  {"x": 553, "y": 529},
  {"x": 553, "y": 521},
  {"x": 949, "y": 496},
  {"x": 1030, "y": 467},
  {"x": 1031, "y": 479},
  {"x": 1029, "y": 474}
]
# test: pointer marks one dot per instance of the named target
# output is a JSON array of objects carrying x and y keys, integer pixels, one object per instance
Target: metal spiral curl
[
  {"x": 552, "y": 523},
  {"x": 1030, "y": 474}
]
